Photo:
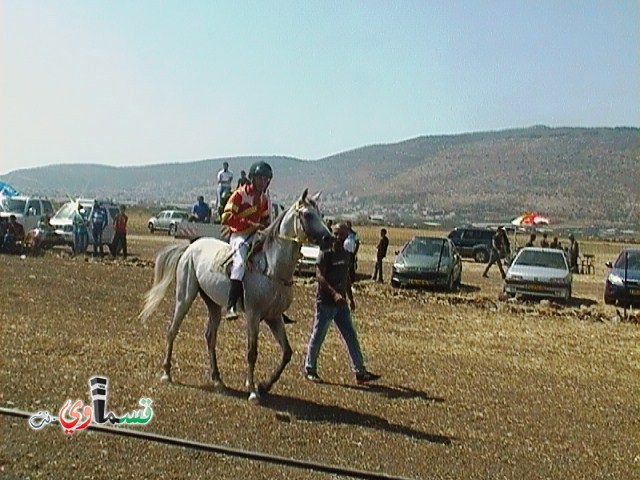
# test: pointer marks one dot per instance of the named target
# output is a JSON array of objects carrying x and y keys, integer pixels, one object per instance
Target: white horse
[{"x": 268, "y": 293}]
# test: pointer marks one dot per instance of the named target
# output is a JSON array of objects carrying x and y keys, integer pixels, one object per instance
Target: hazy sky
[{"x": 131, "y": 82}]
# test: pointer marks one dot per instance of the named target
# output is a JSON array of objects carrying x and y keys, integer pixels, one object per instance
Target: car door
[
  {"x": 109, "y": 232},
  {"x": 164, "y": 220},
  {"x": 32, "y": 214}
]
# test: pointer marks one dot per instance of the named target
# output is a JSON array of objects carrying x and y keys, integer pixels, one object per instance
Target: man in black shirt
[
  {"x": 381, "y": 252},
  {"x": 334, "y": 288},
  {"x": 499, "y": 250}
]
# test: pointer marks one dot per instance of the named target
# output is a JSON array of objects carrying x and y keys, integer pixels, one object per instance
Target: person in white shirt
[
  {"x": 225, "y": 177},
  {"x": 352, "y": 245}
]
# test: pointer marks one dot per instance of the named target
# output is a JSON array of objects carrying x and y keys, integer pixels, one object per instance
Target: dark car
[
  {"x": 622, "y": 286},
  {"x": 427, "y": 261},
  {"x": 473, "y": 242}
]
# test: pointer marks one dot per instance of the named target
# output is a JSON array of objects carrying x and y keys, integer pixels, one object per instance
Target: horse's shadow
[{"x": 310, "y": 411}]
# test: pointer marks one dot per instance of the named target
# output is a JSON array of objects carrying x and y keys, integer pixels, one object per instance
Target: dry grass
[{"x": 472, "y": 387}]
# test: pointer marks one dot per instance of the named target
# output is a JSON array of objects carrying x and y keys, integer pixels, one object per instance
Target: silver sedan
[{"x": 539, "y": 272}]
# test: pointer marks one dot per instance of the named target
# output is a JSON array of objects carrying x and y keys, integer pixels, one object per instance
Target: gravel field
[{"x": 472, "y": 387}]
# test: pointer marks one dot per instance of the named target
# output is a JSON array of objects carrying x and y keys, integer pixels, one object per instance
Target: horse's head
[{"x": 303, "y": 222}]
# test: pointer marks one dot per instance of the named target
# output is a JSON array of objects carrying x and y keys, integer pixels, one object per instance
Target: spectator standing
[
  {"x": 243, "y": 180},
  {"x": 334, "y": 288},
  {"x": 532, "y": 241},
  {"x": 224, "y": 179},
  {"x": 120, "y": 236},
  {"x": 352, "y": 245},
  {"x": 573, "y": 253},
  {"x": 80, "y": 232},
  {"x": 98, "y": 222},
  {"x": 554, "y": 243},
  {"x": 544, "y": 243},
  {"x": 381, "y": 252},
  {"x": 499, "y": 250}
]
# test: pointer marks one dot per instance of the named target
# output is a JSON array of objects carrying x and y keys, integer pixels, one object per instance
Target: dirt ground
[{"x": 472, "y": 387}]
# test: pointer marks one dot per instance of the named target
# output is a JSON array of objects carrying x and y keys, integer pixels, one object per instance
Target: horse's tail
[{"x": 163, "y": 273}]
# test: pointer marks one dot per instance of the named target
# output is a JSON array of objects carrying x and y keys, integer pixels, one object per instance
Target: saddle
[{"x": 256, "y": 260}]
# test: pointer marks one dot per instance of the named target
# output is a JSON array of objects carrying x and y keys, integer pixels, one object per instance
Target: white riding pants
[{"x": 240, "y": 247}]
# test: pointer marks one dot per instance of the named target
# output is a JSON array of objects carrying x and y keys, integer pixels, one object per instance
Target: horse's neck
[{"x": 283, "y": 254}]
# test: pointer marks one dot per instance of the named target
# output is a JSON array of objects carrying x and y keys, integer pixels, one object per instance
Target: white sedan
[{"x": 539, "y": 272}]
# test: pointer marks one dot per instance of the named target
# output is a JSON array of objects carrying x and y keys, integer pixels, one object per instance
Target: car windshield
[
  {"x": 426, "y": 247},
  {"x": 13, "y": 205},
  {"x": 535, "y": 258},
  {"x": 633, "y": 261},
  {"x": 66, "y": 211}
]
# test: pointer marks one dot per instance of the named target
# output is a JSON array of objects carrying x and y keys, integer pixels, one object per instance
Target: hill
[{"x": 586, "y": 175}]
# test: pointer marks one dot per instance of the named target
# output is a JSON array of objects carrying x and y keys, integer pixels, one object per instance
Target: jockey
[{"x": 246, "y": 211}]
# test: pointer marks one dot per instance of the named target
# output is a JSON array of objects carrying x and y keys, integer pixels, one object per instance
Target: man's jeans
[
  {"x": 80, "y": 241},
  {"x": 325, "y": 314},
  {"x": 97, "y": 241}
]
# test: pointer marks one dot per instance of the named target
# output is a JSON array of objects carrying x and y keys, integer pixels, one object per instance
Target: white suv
[{"x": 27, "y": 210}]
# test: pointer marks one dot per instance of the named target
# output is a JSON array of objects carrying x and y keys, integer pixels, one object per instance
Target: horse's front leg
[
  {"x": 280, "y": 334},
  {"x": 253, "y": 324}
]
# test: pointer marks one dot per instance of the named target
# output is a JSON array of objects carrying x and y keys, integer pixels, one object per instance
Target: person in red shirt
[
  {"x": 120, "y": 237},
  {"x": 246, "y": 212}
]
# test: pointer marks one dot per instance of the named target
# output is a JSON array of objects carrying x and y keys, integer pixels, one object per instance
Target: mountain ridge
[{"x": 562, "y": 171}]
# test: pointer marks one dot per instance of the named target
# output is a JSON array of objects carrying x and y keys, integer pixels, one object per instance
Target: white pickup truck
[
  {"x": 193, "y": 231},
  {"x": 27, "y": 210}
]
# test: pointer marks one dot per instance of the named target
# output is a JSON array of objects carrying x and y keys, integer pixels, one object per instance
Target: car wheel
[
  {"x": 172, "y": 229},
  {"x": 395, "y": 284},
  {"x": 481, "y": 256},
  {"x": 151, "y": 227}
]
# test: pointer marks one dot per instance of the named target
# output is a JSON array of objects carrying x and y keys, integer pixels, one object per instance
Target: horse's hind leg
[
  {"x": 280, "y": 334},
  {"x": 211, "y": 336},
  {"x": 186, "y": 291}
]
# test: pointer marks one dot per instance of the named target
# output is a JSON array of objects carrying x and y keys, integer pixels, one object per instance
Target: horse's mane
[{"x": 271, "y": 232}]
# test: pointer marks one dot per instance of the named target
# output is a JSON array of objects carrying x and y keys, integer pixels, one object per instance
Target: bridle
[{"x": 297, "y": 238}]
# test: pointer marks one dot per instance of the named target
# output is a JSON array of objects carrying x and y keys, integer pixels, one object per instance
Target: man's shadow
[{"x": 310, "y": 411}]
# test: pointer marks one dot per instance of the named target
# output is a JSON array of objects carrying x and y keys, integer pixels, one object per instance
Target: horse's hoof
[
  {"x": 165, "y": 378},
  {"x": 254, "y": 398},
  {"x": 218, "y": 385}
]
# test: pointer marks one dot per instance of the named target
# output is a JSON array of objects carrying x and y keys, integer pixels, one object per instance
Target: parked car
[
  {"x": 622, "y": 286},
  {"x": 27, "y": 210},
  {"x": 539, "y": 272},
  {"x": 62, "y": 221},
  {"x": 307, "y": 263},
  {"x": 167, "y": 220},
  {"x": 473, "y": 242},
  {"x": 427, "y": 261}
]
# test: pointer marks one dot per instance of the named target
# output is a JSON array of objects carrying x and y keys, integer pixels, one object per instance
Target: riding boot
[{"x": 235, "y": 292}]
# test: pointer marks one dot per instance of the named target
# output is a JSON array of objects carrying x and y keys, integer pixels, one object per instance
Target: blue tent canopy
[{"x": 7, "y": 190}]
